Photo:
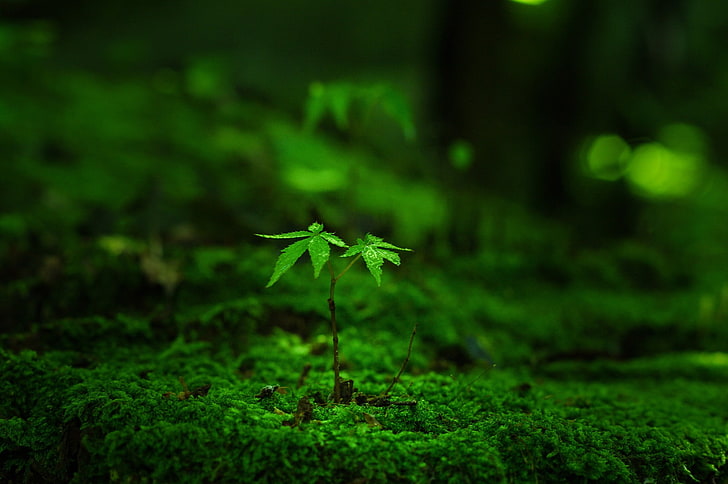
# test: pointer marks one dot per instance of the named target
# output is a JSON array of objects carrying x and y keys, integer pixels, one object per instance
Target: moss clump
[
  {"x": 32, "y": 431},
  {"x": 100, "y": 400},
  {"x": 121, "y": 421}
]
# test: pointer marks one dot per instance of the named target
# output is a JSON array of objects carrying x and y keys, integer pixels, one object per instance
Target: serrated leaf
[
  {"x": 375, "y": 241},
  {"x": 288, "y": 257},
  {"x": 387, "y": 245},
  {"x": 392, "y": 257},
  {"x": 332, "y": 239},
  {"x": 372, "y": 240},
  {"x": 316, "y": 242},
  {"x": 374, "y": 263},
  {"x": 353, "y": 250},
  {"x": 374, "y": 250},
  {"x": 287, "y": 235},
  {"x": 319, "y": 251}
]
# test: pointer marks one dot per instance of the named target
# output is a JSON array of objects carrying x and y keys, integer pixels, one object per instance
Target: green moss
[
  {"x": 99, "y": 400},
  {"x": 492, "y": 426}
]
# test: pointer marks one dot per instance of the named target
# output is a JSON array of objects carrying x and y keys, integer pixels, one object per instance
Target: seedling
[{"x": 317, "y": 242}]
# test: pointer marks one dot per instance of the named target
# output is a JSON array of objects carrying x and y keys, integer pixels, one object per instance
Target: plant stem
[
  {"x": 353, "y": 261},
  {"x": 334, "y": 330},
  {"x": 334, "y": 334}
]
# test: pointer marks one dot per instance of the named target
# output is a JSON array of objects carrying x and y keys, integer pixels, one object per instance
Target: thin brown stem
[
  {"x": 404, "y": 363},
  {"x": 334, "y": 330},
  {"x": 334, "y": 334}
]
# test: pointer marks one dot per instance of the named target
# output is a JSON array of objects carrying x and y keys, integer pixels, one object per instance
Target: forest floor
[{"x": 184, "y": 369}]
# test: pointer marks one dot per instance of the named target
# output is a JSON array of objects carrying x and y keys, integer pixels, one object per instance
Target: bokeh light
[
  {"x": 530, "y": 2},
  {"x": 671, "y": 166},
  {"x": 657, "y": 171},
  {"x": 461, "y": 155},
  {"x": 607, "y": 157}
]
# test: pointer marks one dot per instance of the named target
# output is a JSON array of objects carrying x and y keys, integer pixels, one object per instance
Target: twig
[{"x": 404, "y": 363}]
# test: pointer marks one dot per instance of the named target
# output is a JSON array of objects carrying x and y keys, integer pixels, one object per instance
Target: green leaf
[
  {"x": 288, "y": 257},
  {"x": 396, "y": 105},
  {"x": 378, "y": 242},
  {"x": 340, "y": 98},
  {"x": 332, "y": 239},
  {"x": 374, "y": 250},
  {"x": 288, "y": 235},
  {"x": 392, "y": 257},
  {"x": 315, "y": 241},
  {"x": 316, "y": 105},
  {"x": 374, "y": 263},
  {"x": 354, "y": 249},
  {"x": 319, "y": 251}
]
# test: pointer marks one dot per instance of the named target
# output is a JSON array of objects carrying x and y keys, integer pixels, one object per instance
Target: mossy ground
[{"x": 515, "y": 379}]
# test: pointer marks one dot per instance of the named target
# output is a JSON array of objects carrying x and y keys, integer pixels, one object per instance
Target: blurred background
[{"x": 487, "y": 130}]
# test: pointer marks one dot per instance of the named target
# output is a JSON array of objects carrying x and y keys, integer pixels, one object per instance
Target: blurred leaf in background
[
  {"x": 347, "y": 103},
  {"x": 421, "y": 123}
]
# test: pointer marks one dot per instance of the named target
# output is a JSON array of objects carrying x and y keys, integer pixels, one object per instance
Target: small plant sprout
[{"x": 373, "y": 250}]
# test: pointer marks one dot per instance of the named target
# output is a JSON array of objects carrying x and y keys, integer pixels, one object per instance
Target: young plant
[{"x": 373, "y": 250}]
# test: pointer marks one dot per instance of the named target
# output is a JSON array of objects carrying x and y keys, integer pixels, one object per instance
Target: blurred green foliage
[
  {"x": 131, "y": 137},
  {"x": 340, "y": 99},
  {"x": 559, "y": 167},
  {"x": 115, "y": 169},
  {"x": 178, "y": 153}
]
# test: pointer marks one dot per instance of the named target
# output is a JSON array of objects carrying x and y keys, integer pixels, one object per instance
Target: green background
[{"x": 558, "y": 168}]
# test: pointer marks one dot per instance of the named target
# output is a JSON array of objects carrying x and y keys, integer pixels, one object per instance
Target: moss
[
  {"x": 99, "y": 400},
  {"x": 31, "y": 427},
  {"x": 112, "y": 422}
]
